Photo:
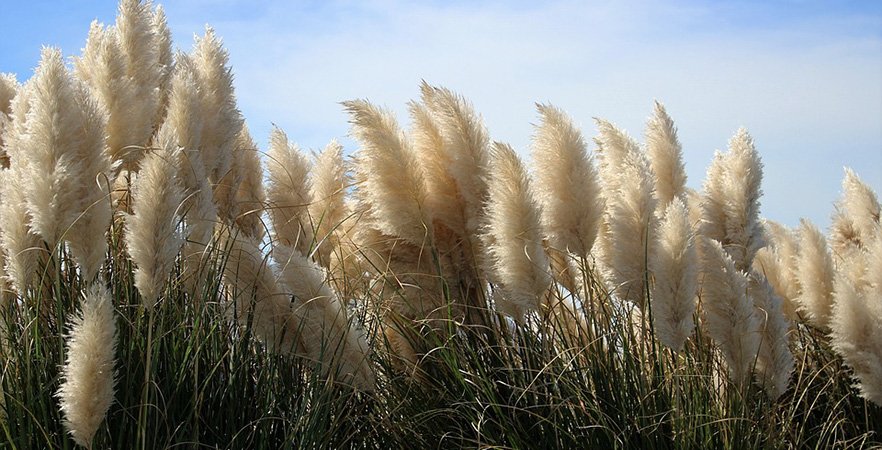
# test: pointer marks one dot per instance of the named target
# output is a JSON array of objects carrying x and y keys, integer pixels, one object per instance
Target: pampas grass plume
[
  {"x": 566, "y": 183},
  {"x": 857, "y": 324},
  {"x": 152, "y": 236},
  {"x": 516, "y": 259},
  {"x": 774, "y": 362},
  {"x": 732, "y": 193},
  {"x": 328, "y": 208},
  {"x": 321, "y": 322},
  {"x": 815, "y": 272},
  {"x": 287, "y": 193},
  {"x": 665, "y": 157},
  {"x": 675, "y": 270},
  {"x": 87, "y": 390},
  {"x": 729, "y": 315},
  {"x": 392, "y": 181}
]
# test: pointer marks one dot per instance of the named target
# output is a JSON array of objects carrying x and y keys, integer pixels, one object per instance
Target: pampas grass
[
  {"x": 153, "y": 237},
  {"x": 87, "y": 391},
  {"x": 732, "y": 193},
  {"x": 774, "y": 360},
  {"x": 328, "y": 208},
  {"x": 856, "y": 219},
  {"x": 390, "y": 177},
  {"x": 566, "y": 184},
  {"x": 222, "y": 120},
  {"x": 65, "y": 164},
  {"x": 857, "y": 324},
  {"x": 815, "y": 274},
  {"x": 665, "y": 157},
  {"x": 389, "y": 273},
  {"x": 249, "y": 196},
  {"x": 729, "y": 315},
  {"x": 287, "y": 193},
  {"x": 464, "y": 157},
  {"x": 675, "y": 272},
  {"x": 322, "y": 323},
  {"x": 630, "y": 219},
  {"x": 515, "y": 256}
]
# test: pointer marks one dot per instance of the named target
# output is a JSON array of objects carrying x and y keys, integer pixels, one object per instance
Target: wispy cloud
[{"x": 803, "y": 76}]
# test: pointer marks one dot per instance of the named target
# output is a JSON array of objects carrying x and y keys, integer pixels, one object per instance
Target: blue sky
[{"x": 805, "y": 77}]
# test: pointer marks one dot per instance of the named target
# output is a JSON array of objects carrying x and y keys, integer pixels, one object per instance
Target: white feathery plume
[
  {"x": 165, "y": 58},
  {"x": 250, "y": 196},
  {"x": 465, "y": 156},
  {"x": 693, "y": 201},
  {"x": 665, "y": 157},
  {"x": 103, "y": 68},
  {"x": 515, "y": 257},
  {"x": 138, "y": 42},
  {"x": 86, "y": 393},
  {"x": 21, "y": 245},
  {"x": 732, "y": 193},
  {"x": 774, "y": 362},
  {"x": 256, "y": 294},
  {"x": 222, "y": 120},
  {"x": 321, "y": 321},
  {"x": 856, "y": 220},
  {"x": 442, "y": 192},
  {"x": 65, "y": 164},
  {"x": 816, "y": 274},
  {"x": 778, "y": 262},
  {"x": 287, "y": 193},
  {"x": 152, "y": 235},
  {"x": 391, "y": 178},
  {"x": 728, "y": 313},
  {"x": 675, "y": 271},
  {"x": 630, "y": 213},
  {"x": 227, "y": 187},
  {"x": 328, "y": 208},
  {"x": 857, "y": 322},
  {"x": 567, "y": 187},
  {"x": 8, "y": 87}
]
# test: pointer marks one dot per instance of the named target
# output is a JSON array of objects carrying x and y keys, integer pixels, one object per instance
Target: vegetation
[{"x": 166, "y": 284}]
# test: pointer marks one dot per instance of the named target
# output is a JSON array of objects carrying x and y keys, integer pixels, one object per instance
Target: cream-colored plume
[
  {"x": 257, "y": 298},
  {"x": 21, "y": 245},
  {"x": 778, "y": 263},
  {"x": 250, "y": 195},
  {"x": 515, "y": 257},
  {"x": 8, "y": 87},
  {"x": 729, "y": 314},
  {"x": 815, "y": 272},
  {"x": 857, "y": 321},
  {"x": 287, "y": 193},
  {"x": 567, "y": 186},
  {"x": 464, "y": 158},
  {"x": 774, "y": 362},
  {"x": 630, "y": 213},
  {"x": 732, "y": 192},
  {"x": 152, "y": 233},
  {"x": 391, "y": 179},
  {"x": 856, "y": 220},
  {"x": 86, "y": 391},
  {"x": 321, "y": 322},
  {"x": 675, "y": 273},
  {"x": 165, "y": 58},
  {"x": 64, "y": 164},
  {"x": 103, "y": 68},
  {"x": 222, "y": 120},
  {"x": 665, "y": 157},
  {"x": 328, "y": 208}
]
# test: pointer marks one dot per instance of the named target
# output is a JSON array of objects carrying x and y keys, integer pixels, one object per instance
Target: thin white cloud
[{"x": 807, "y": 87}]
